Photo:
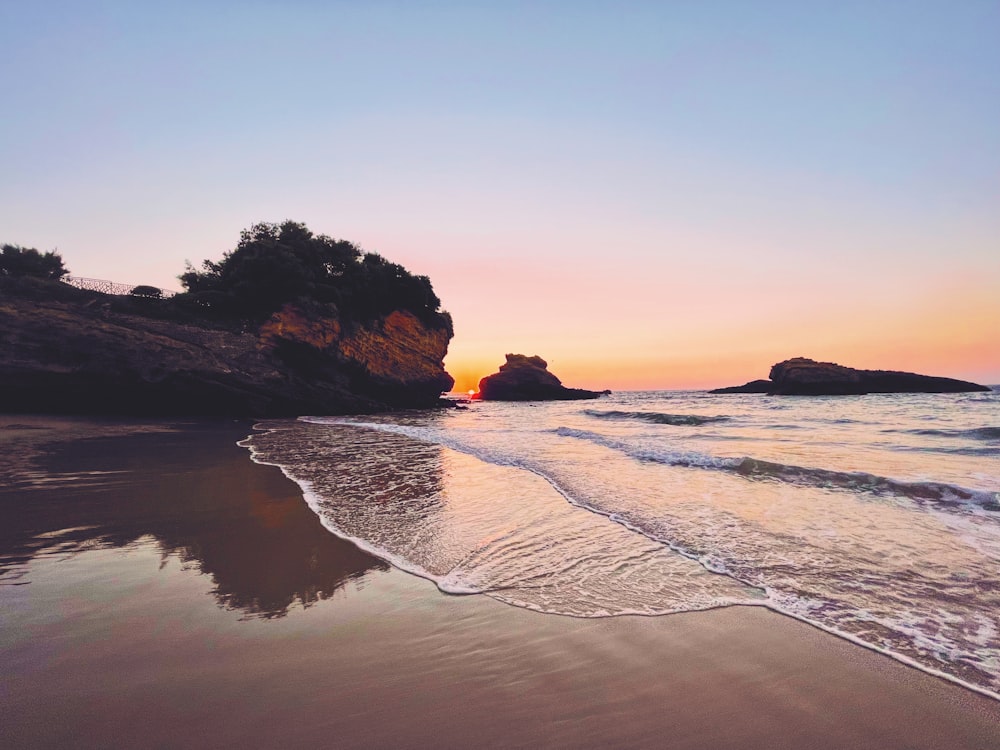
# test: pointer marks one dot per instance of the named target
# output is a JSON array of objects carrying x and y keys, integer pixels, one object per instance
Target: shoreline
[
  {"x": 406, "y": 567},
  {"x": 194, "y": 584}
]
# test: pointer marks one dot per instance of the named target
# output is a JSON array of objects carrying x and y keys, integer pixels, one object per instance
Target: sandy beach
[{"x": 159, "y": 589}]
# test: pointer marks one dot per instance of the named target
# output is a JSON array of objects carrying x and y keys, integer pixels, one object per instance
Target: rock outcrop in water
[
  {"x": 64, "y": 350},
  {"x": 806, "y": 377},
  {"x": 754, "y": 386},
  {"x": 525, "y": 378}
]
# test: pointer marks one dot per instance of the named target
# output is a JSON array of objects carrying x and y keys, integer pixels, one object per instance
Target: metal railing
[{"x": 111, "y": 287}]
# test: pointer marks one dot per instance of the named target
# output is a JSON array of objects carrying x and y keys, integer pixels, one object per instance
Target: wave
[
  {"x": 976, "y": 433},
  {"x": 984, "y": 451},
  {"x": 912, "y": 648},
  {"x": 476, "y": 572},
  {"x": 656, "y": 417},
  {"x": 936, "y": 493}
]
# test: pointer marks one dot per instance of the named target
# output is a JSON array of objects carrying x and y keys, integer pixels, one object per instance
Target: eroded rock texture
[{"x": 69, "y": 351}]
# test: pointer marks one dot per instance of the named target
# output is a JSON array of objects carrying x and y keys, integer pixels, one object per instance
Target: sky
[{"x": 646, "y": 194}]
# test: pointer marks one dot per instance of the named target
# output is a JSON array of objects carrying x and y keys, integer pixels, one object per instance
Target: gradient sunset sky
[{"x": 648, "y": 195}]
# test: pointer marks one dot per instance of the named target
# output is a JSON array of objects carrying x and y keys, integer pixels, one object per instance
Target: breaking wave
[
  {"x": 976, "y": 433},
  {"x": 885, "y": 541},
  {"x": 678, "y": 420},
  {"x": 937, "y": 493}
]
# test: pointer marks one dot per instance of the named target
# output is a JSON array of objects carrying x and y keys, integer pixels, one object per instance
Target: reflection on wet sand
[
  {"x": 389, "y": 491},
  {"x": 461, "y": 522},
  {"x": 193, "y": 494}
]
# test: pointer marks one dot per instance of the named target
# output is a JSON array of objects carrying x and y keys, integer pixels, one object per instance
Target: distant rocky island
[
  {"x": 524, "y": 378},
  {"x": 806, "y": 377},
  {"x": 288, "y": 323}
]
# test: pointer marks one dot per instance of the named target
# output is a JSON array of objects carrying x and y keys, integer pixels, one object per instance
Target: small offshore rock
[{"x": 524, "y": 378}]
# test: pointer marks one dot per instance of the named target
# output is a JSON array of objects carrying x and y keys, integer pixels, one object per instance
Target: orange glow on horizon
[
  {"x": 468, "y": 375},
  {"x": 949, "y": 330},
  {"x": 969, "y": 353}
]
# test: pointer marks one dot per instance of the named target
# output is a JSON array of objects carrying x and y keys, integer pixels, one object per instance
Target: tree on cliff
[
  {"x": 27, "y": 261},
  {"x": 274, "y": 264}
]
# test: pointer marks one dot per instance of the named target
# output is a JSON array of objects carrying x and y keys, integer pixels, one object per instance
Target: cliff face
[
  {"x": 396, "y": 360},
  {"x": 524, "y": 378},
  {"x": 800, "y": 376},
  {"x": 75, "y": 353}
]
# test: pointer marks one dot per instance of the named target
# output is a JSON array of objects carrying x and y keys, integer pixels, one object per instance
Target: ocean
[{"x": 876, "y": 518}]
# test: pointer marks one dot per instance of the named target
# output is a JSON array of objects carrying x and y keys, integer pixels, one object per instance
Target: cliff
[
  {"x": 806, "y": 377},
  {"x": 64, "y": 350},
  {"x": 524, "y": 378}
]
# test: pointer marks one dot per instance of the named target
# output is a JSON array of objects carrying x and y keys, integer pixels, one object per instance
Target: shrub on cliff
[
  {"x": 27, "y": 261},
  {"x": 144, "y": 290},
  {"x": 274, "y": 264}
]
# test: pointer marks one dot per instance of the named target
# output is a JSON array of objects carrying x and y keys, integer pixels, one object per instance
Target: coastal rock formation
[
  {"x": 806, "y": 377},
  {"x": 525, "y": 378},
  {"x": 754, "y": 386},
  {"x": 395, "y": 360},
  {"x": 64, "y": 350}
]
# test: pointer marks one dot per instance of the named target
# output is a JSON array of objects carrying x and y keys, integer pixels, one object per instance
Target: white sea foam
[
  {"x": 865, "y": 538},
  {"x": 316, "y": 502}
]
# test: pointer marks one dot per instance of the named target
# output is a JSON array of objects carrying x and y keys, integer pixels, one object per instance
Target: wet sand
[{"x": 158, "y": 589}]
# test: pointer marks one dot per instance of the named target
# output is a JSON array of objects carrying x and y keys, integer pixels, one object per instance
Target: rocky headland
[
  {"x": 69, "y": 351},
  {"x": 524, "y": 378},
  {"x": 806, "y": 377}
]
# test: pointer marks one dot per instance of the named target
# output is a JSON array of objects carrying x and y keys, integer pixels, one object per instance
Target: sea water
[{"x": 873, "y": 517}]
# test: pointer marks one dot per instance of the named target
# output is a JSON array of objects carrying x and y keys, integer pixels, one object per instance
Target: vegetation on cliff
[
  {"x": 287, "y": 323},
  {"x": 27, "y": 261},
  {"x": 277, "y": 264}
]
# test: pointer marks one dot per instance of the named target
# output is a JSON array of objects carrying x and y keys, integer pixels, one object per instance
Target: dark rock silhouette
[
  {"x": 65, "y": 350},
  {"x": 806, "y": 377},
  {"x": 754, "y": 386},
  {"x": 525, "y": 378}
]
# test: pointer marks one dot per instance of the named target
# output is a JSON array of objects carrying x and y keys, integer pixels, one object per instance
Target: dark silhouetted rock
[
  {"x": 525, "y": 378},
  {"x": 64, "y": 350},
  {"x": 754, "y": 386},
  {"x": 806, "y": 377}
]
